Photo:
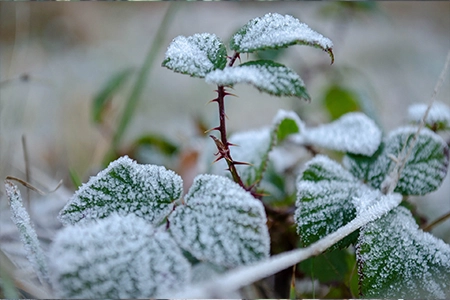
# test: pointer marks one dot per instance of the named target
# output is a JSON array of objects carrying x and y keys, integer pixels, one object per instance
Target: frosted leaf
[
  {"x": 424, "y": 171},
  {"x": 267, "y": 76},
  {"x": 353, "y": 132},
  {"x": 116, "y": 257},
  {"x": 438, "y": 117},
  {"x": 273, "y": 31},
  {"x": 325, "y": 192},
  {"x": 254, "y": 146},
  {"x": 196, "y": 55},
  {"x": 125, "y": 187},
  {"x": 396, "y": 259},
  {"x": 28, "y": 236},
  {"x": 221, "y": 223}
]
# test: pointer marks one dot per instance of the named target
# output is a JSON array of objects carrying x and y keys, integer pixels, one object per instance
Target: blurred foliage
[{"x": 339, "y": 100}]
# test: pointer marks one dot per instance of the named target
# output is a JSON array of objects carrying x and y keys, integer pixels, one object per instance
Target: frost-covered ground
[{"x": 69, "y": 50}]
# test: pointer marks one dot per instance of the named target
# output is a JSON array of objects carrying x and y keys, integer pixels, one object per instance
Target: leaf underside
[
  {"x": 221, "y": 223},
  {"x": 125, "y": 187},
  {"x": 396, "y": 259}
]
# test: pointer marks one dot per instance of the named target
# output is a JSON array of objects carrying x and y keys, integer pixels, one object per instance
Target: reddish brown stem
[{"x": 223, "y": 144}]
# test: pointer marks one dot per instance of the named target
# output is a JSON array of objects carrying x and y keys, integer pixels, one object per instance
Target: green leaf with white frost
[
  {"x": 125, "y": 187},
  {"x": 273, "y": 31},
  {"x": 438, "y": 117},
  {"x": 27, "y": 234},
  {"x": 254, "y": 146},
  {"x": 221, "y": 223},
  {"x": 424, "y": 171},
  {"x": 116, "y": 257},
  {"x": 265, "y": 75},
  {"x": 397, "y": 259},
  {"x": 196, "y": 55},
  {"x": 325, "y": 192},
  {"x": 353, "y": 132}
]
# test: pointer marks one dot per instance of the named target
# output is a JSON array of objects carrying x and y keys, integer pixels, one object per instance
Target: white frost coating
[
  {"x": 28, "y": 235},
  {"x": 125, "y": 187},
  {"x": 274, "y": 30},
  {"x": 243, "y": 276},
  {"x": 353, "y": 133},
  {"x": 194, "y": 55},
  {"x": 273, "y": 78},
  {"x": 397, "y": 259},
  {"x": 253, "y": 147},
  {"x": 324, "y": 198},
  {"x": 221, "y": 223},
  {"x": 439, "y": 113},
  {"x": 424, "y": 171},
  {"x": 116, "y": 257},
  {"x": 289, "y": 114}
]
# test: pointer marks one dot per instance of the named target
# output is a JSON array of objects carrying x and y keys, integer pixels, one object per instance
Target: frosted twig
[
  {"x": 390, "y": 182},
  {"x": 242, "y": 276}
]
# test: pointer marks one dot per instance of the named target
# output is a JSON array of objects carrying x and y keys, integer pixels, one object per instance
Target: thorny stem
[
  {"x": 223, "y": 146},
  {"x": 390, "y": 182}
]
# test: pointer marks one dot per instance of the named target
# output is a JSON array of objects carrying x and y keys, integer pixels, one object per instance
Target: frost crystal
[
  {"x": 116, "y": 257},
  {"x": 221, "y": 223},
  {"x": 424, "y": 171},
  {"x": 196, "y": 55},
  {"x": 125, "y": 187},
  {"x": 28, "y": 235},
  {"x": 438, "y": 116},
  {"x": 266, "y": 76},
  {"x": 325, "y": 193},
  {"x": 396, "y": 259},
  {"x": 353, "y": 133},
  {"x": 275, "y": 31},
  {"x": 255, "y": 146}
]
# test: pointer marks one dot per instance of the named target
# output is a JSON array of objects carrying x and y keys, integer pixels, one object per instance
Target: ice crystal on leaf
[
  {"x": 196, "y": 55},
  {"x": 396, "y": 259},
  {"x": 325, "y": 192},
  {"x": 116, "y": 257},
  {"x": 424, "y": 171},
  {"x": 28, "y": 235},
  {"x": 353, "y": 133},
  {"x": 438, "y": 117},
  {"x": 221, "y": 223},
  {"x": 267, "y": 76},
  {"x": 125, "y": 187},
  {"x": 254, "y": 146},
  {"x": 274, "y": 31}
]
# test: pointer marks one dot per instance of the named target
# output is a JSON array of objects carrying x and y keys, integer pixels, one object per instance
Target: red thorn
[
  {"x": 230, "y": 94},
  {"x": 231, "y": 144},
  {"x": 242, "y": 163},
  {"x": 213, "y": 100},
  {"x": 209, "y": 130}
]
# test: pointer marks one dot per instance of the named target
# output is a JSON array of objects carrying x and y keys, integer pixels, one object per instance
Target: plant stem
[
  {"x": 245, "y": 275},
  {"x": 433, "y": 224},
  {"x": 139, "y": 85},
  {"x": 223, "y": 148}
]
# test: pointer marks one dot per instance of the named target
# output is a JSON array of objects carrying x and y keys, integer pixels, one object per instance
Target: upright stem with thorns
[{"x": 223, "y": 146}]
